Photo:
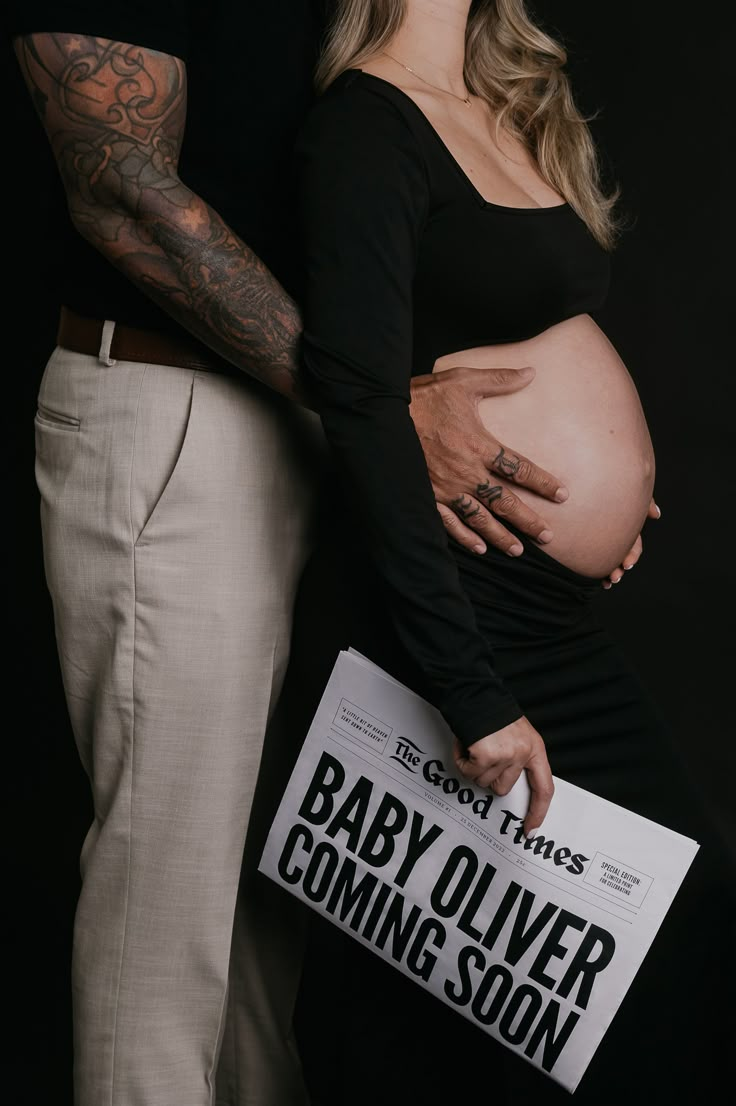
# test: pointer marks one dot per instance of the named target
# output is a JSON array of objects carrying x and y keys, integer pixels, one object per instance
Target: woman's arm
[{"x": 365, "y": 197}]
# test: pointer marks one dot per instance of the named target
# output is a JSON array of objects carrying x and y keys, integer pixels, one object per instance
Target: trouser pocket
[
  {"x": 56, "y": 420},
  {"x": 163, "y": 423}
]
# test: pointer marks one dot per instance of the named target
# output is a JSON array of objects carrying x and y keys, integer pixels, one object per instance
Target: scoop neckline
[{"x": 479, "y": 197}]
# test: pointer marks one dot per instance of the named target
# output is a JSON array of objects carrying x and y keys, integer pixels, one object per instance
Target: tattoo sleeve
[{"x": 115, "y": 116}]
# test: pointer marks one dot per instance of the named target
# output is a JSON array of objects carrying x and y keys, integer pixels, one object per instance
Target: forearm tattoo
[
  {"x": 505, "y": 465},
  {"x": 115, "y": 116}
]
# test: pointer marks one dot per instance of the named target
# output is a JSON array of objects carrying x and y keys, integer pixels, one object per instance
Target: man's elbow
[{"x": 114, "y": 220}]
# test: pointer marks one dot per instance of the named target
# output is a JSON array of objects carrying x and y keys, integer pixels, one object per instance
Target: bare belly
[{"x": 581, "y": 419}]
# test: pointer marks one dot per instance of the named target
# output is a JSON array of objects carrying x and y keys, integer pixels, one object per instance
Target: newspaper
[{"x": 534, "y": 939}]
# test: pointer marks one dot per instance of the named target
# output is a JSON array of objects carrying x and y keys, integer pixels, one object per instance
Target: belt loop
[{"x": 103, "y": 356}]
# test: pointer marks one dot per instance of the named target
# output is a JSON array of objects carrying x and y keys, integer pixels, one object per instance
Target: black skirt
[{"x": 369, "y": 1035}]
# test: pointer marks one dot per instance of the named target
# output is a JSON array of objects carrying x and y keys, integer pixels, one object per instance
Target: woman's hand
[
  {"x": 462, "y": 457},
  {"x": 633, "y": 555},
  {"x": 497, "y": 761}
]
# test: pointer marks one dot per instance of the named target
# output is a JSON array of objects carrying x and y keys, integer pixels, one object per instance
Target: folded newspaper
[{"x": 534, "y": 939}]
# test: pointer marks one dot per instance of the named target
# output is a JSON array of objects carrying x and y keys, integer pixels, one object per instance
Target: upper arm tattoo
[{"x": 115, "y": 115}]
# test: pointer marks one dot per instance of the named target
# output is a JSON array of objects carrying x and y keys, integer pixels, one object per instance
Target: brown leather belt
[{"x": 129, "y": 343}]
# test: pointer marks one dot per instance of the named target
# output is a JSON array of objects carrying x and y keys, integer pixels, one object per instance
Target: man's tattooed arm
[{"x": 115, "y": 116}]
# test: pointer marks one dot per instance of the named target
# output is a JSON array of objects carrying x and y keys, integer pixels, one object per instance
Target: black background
[{"x": 661, "y": 92}]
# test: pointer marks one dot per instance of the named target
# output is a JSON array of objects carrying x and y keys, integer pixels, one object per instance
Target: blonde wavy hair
[{"x": 518, "y": 70}]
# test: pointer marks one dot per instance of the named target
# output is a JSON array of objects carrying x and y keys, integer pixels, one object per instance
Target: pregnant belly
[{"x": 581, "y": 419}]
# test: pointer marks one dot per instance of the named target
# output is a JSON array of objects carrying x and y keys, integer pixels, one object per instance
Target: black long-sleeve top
[{"x": 404, "y": 262}]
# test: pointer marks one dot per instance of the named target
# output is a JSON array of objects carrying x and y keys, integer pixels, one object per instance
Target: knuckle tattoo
[
  {"x": 508, "y": 466},
  {"x": 487, "y": 493},
  {"x": 464, "y": 507}
]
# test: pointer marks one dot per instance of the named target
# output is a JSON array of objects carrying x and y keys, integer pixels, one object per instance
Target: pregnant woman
[{"x": 452, "y": 216}]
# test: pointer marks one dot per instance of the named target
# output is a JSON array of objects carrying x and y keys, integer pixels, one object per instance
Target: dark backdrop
[{"x": 661, "y": 92}]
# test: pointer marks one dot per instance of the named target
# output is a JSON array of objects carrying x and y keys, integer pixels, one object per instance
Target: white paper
[{"x": 536, "y": 940}]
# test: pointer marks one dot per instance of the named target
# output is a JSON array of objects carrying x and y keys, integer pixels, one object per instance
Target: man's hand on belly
[{"x": 463, "y": 458}]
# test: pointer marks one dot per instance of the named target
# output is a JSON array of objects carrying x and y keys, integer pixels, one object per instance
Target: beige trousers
[{"x": 175, "y": 510}]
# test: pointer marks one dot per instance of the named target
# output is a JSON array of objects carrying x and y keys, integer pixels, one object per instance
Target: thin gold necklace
[{"x": 463, "y": 99}]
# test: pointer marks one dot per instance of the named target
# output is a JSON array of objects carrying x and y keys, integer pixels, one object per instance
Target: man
[{"x": 175, "y": 464}]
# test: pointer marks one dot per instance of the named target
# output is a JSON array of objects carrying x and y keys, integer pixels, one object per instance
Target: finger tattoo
[
  {"x": 464, "y": 507},
  {"x": 489, "y": 492},
  {"x": 504, "y": 464}
]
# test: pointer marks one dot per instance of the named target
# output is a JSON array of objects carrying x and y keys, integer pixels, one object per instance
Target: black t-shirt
[{"x": 250, "y": 84}]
